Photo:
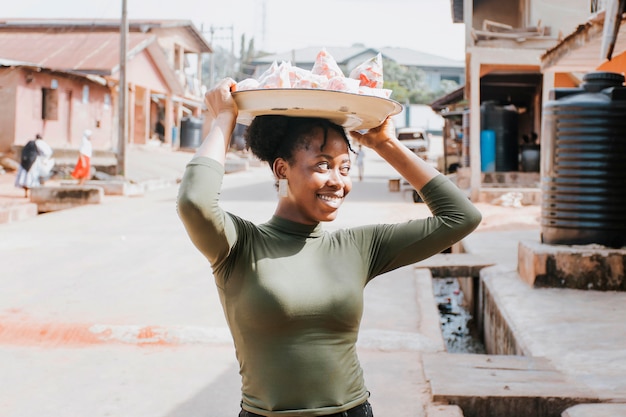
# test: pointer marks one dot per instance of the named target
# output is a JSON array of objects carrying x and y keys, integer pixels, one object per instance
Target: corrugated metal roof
[
  {"x": 403, "y": 56},
  {"x": 412, "y": 58},
  {"x": 308, "y": 55},
  {"x": 95, "y": 53},
  {"x": 580, "y": 51},
  {"x": 103, "y": 25}
]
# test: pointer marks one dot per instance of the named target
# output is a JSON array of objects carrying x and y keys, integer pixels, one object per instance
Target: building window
[
  {"x": 86, "y": 94},
  {"x": 107, "y": 101},
  {"x": 49, "y": 104}
]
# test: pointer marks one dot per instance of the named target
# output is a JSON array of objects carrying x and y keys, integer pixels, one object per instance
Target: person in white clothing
[{"x": 82, "y": 170}]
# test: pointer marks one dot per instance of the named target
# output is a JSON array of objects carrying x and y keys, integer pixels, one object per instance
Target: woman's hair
[{"x": 272, "y": 136}]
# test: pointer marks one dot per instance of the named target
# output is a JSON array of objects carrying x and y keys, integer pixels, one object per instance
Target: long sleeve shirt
[{"x": 292, "y": 293}]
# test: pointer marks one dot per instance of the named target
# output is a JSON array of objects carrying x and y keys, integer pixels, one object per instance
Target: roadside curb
[{"x": 17, "y": 212}]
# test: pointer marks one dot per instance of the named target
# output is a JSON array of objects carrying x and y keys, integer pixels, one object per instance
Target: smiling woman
[{"x": 292, "y": 293}]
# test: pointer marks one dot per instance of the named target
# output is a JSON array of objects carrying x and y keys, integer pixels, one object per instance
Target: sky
[{"x": 279, "y": 26}]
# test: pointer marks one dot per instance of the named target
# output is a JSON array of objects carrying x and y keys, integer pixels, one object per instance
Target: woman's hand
[
  {"x": 220, "y": 119},
  {"x": 220, "y": 101},
  {"x": 376, "y": 136}
]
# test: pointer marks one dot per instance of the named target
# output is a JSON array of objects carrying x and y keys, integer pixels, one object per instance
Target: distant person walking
[
  {"x": 82, "y": 170},
  {"x": 35, "y": 164}
]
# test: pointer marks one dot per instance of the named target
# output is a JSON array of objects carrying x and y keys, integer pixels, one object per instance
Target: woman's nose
[{"x": 335, "y": 177}]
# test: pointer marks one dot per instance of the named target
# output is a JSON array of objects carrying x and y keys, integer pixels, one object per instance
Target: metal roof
[
  {"x": 94, "y": 53},
  {"x": 342, "y": 55},
  {"x": 580, "y": 51},
  {"x": 103, "y": 25}
]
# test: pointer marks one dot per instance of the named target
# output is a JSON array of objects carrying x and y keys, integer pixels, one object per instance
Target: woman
[
  {"x": 293, "y": 293},
  {"x": 36, "y": 164},
  {"x": 82, "y": 170}
]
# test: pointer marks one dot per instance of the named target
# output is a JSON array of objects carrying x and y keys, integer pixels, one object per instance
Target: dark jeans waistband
[{"x": 363, "y": 410}]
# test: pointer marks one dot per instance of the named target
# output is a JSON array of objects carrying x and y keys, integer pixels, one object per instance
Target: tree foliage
[{"x": 409, "y": 84}]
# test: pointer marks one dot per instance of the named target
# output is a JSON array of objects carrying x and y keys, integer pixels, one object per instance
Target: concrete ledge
[
  {"x": 596, "y": 410},
  {"x": 112, "y": 187},
  {"x": 496, "y": 386},
  {"x": 589, "y": 267},
  {"x": 17, "y": 212},
  {"x": 502, "y": 195},
  {"x": 511, "y": 179},
  {"x": 57, "y": 198},
  {"x": 440, "y": 410},
  {"x": 443, "y": 265}
]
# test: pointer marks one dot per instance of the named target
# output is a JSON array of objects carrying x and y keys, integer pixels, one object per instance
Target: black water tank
[
  {"x": 190, "y": 132},
  {"x": 504, "y": 122},
  {"x": 583, "y": 163}
]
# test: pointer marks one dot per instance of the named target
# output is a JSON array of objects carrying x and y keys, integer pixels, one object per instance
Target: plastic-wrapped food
[
  {"x": 301, "y": 78},
  {"x": 326, "y": 65},
  {"x": 370, "y": 72},
  {"x": 377, "y": 92},
  {"x": 366, "y": 79},
  {"x": 343, "y": 84},
  {"x": 276, "y": 76},
  {"x": 247, "y": 84}
]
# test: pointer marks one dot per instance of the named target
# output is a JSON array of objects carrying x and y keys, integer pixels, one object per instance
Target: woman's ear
[{"x": 280, "y": 168}]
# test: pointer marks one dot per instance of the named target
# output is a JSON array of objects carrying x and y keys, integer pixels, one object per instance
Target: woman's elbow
[
  {"x": 471, "y": 220},
  {"x": 188, "y": 207}
]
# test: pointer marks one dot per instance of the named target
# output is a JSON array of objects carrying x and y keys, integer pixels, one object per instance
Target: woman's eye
[
  {"x": 323, "y": 165},
  {"x": 345, "y": 170}
]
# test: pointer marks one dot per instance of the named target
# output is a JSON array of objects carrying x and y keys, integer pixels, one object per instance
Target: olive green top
[{"x": 293, "y": 293}]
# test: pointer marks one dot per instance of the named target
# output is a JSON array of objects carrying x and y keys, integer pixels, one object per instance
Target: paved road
[{"x": 109, "y": 310}]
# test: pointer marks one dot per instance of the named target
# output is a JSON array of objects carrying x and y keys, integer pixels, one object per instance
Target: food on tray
[
  {"x": 326, "y": 65},
  {"x": 277, "y": 76},
  {"x": 370, "y": 73},
  {"x": 365, "y": 79}
]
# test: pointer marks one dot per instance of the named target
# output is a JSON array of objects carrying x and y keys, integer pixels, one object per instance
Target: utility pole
[
  {"x": 231, "y": 60},
  {"x": 122, "y": 112}
]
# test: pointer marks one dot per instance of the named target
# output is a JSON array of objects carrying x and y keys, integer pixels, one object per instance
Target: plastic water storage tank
[
  {"x": 190, "y": 132},
  {"x": 583, "y": 163},
  {"x": 487, "y": 151}
]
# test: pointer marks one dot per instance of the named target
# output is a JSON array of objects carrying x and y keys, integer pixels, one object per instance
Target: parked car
[{"x": 415, "y": 139}]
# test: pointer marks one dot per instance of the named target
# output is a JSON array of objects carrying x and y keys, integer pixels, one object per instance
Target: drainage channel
[{"x": 458, "y": 326}]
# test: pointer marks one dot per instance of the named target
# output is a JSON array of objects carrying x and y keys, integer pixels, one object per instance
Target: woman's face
[{"x": 318, "y": 179}]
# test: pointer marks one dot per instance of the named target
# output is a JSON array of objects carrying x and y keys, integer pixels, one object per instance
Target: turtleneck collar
[{"x": 293, "y": 228}]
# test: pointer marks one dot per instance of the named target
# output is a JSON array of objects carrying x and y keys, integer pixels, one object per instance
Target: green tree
[{"x": 408, "y": 84}]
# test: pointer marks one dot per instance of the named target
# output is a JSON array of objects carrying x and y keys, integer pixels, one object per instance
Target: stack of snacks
[{"x": 366, "y": 79}]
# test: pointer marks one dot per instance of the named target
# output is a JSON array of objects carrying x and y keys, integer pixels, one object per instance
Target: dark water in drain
[{"x": 457, "y": 324}]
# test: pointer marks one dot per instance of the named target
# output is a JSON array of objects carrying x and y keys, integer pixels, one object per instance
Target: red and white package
[
  {"x": 326, "y": 65},
  {"x": 301, "y": 78},
  {"x": 276, "y": 76},
  {"x": 343, "y": 84},
  {"x": 370, "y": 73}
]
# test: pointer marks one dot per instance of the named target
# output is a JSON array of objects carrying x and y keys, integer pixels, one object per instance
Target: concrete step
[
  {"x": 443, "y": 265},
  {"x": 596, "y": 410},
  {"x": 510, "y": 195},
  {"x": 54, "y": 198},
  {"x": 16, "y": 212},
  {"x": 583, "y": 267},
  {"x": 500, "y": 385},
  {"x": 440, "y": 410}
]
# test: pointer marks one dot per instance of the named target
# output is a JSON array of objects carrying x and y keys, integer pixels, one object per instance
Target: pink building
[{"x": 59, "y": 78}]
